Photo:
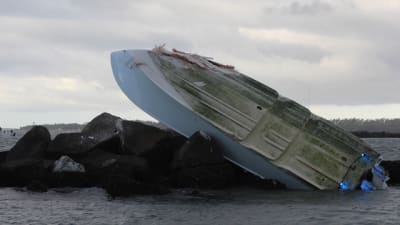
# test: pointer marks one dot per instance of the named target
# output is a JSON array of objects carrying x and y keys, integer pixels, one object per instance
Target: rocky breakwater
[{"x": 123, "y": 157}]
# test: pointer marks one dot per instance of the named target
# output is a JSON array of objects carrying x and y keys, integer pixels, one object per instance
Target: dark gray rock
[
  {"x": 393, "y": 168},
  {"x": 161, "y": 155},
  {"x": 69, "y": 179},
  {"x": 247, "y": 179},
  {"x": 199, "y": 164},
  {"x": 23, "y": 172},
  {"x": 137, "y": 138},
  {"x": 122, "y": 186},
  {"x": 37, "y": 186},
  {"x": 32, "y": 145},
  {"x": 199, "y": 150},
  {"x": 71, "y": 144},
  {"x": 205, "y": 177},
  {"x": 3, "y": 156},
  {"x": 100, "y": 164},
  {"x": 102, "y": 128},
  {"x": 112, "y": 145}
]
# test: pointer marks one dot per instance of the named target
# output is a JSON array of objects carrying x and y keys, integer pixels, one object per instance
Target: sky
[{"x": 339, "y": 58}]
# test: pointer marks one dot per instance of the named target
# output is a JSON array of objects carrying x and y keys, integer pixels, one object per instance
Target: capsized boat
[{"x": 259, "y": 130}]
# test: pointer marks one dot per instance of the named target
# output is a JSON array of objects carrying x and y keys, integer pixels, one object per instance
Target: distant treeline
[
  {"x": 376, "y": 128},
  {"x": 58, "y": 126},
  {"x": 377, "y": 125}
]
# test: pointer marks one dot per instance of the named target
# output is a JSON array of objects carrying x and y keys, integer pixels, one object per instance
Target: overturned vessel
[{"x": 266, "y": 134}]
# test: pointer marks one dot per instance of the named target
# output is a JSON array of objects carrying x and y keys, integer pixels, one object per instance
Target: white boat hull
[{"x": 152, "y": 93}]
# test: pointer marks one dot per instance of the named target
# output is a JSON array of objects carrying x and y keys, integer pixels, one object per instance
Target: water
[{"x": 236, "y": 206}]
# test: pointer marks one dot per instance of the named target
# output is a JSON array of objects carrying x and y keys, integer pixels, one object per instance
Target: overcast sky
[{"x": 340, "y": 58}]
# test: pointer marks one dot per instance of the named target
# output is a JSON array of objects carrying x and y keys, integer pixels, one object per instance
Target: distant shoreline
[{"x": 367, "y": 134}]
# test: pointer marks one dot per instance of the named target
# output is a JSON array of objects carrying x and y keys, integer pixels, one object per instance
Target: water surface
[{"x": 237, "y": 206}]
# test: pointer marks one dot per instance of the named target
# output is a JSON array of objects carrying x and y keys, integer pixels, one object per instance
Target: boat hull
[
  {"x": 256, "y": 128},
  {"x": 147, "y": 95}
]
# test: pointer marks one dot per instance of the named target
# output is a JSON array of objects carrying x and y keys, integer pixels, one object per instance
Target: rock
[
  {"x": 102, "y": 128},
  {"x": 198, "y": 150},
  {"x": 23, "y": 172},
  {"x": 71, "y": 144},
  {"x": 122, "y": 186},
  {"x": 245, "y": 178},
  {"x": 3, "y": 156},
  {"x": 37, "y": 186},
  {"x": 112, "y": 145},
  {"x": 393, "y": 168},
  {"x": 100, "y": 164},
  {"x": 137, "y": 138},
  {"x": 199, "y": 164},
  {"x": 32, "y": 145},
  {"x": 66, "y": 172},
  {"x": 205, "y": 177},
  {"x": 66, "y": 164},
  {"x": 161, "y": 155},
  {"x": 69, "y": 179}
]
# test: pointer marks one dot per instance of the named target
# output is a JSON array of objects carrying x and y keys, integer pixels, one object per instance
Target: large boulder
[
  {"x": 200, "y": 164},
  {"x": 66, "y": 164},
  {"x": 31, "y": 146},
  {"x": 23, "y": 172},
  {"x": 199, "y": 150},
  {"x": 247, "y": 179},
  {"x": 206, "y": 177},
  {"x": 122, "y": 186},
  {"x": 71, "y": 144},
  {"x": 67, "y": 172},
  {"x": 137, "y": 138},
  {"x": 3, "y": 156},
  {"x": 102, "y": 128},
  {"x": 100, "y": 164},
  {"x": 393, "y": 168},
  {"x": 161, "y": 155}
]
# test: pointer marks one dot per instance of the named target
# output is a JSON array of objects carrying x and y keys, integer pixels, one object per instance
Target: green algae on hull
[{"x": 279, "y": 129}]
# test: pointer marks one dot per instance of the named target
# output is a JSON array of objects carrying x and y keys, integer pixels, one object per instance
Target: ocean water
[{"x": 242, "y": 206}]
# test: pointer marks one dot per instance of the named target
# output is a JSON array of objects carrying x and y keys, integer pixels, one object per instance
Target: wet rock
[
  {"x": 245, "y": 178},
  {"x": 199, "y": 164},
  {"x": 112, "y": 145},
  {"x": 205, "y": 177},
  {"x": 137, "y": 138},
  {"x": 102, "y": 128},
  {"x": 100, "y": 164},
  {"x": 71, "y": 144},
  {"x": 122, "y": 186},
  {"x": 66, "y": 164},
  {"x": 37, "y": 186},
  {"x": 198, "y": 150},
  {"x": 23, "y": 172},
  {"x": 393, "y": 168},
  {"x": 161, "y": 155},
  {"x": 31, "y": 146},
  {"x": 3, "y": 156},
  {"x": 69, "y": 179}
]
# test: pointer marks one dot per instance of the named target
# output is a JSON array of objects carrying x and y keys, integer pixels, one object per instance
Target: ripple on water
[{"x": 239, "y": 206}]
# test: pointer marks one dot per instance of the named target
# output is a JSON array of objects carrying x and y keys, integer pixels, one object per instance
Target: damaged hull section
[{"x": 257, "y": 129}]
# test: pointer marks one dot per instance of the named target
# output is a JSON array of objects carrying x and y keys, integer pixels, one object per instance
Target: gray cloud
[
  {"x": 317, "y": 52},
  {"x": 310, "y": 54},
  {"x": 301, "y": 7}
]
